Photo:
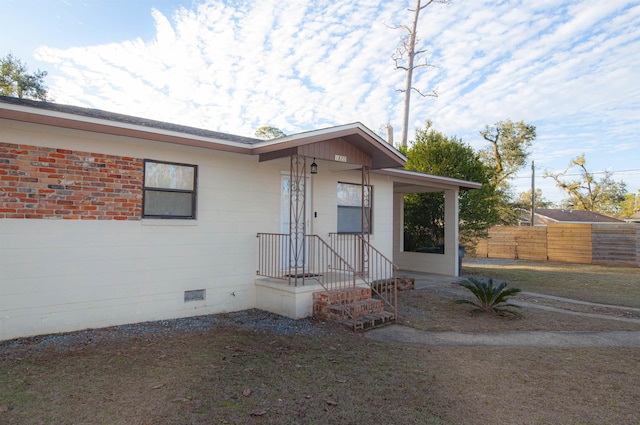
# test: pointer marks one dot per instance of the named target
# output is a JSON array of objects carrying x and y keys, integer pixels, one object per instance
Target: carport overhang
[{"x": 406, "y": 182}]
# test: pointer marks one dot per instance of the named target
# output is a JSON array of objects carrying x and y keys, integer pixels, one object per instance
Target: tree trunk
[{"x": 409, "y": 77}]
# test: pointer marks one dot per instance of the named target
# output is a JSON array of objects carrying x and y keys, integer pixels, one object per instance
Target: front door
[{"x": 294, "y": 254}]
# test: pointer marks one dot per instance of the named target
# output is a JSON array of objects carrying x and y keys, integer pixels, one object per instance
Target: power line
[{"x": 580, "y": 174}]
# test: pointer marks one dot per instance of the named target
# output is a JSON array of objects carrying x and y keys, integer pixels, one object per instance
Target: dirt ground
[{"x": 260, "y": 369}]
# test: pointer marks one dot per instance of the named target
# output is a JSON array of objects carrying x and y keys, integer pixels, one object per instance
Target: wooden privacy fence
[{"x": 611, "y": 244}]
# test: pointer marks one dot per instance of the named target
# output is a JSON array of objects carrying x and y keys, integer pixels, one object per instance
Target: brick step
[
  {"x": 370, "y": 321},
  {"x": 341, "y": 296},
  {"x": 357, "y": 309}
]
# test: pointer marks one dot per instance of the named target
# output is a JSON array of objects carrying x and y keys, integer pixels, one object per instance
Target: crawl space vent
[{"x": 195, "y": 295}]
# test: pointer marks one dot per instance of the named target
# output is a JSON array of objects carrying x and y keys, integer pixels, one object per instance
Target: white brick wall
[{"x": 63, "y": 275}]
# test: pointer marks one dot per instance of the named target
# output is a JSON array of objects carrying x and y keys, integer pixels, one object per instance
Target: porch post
[
  {"x": 451, "y": 238},
  {"x": 366, "y": 219},
  {"x": 297, "y": 215}
]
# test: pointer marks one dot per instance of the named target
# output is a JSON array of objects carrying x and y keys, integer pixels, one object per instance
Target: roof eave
[
  {"x": 80, "y": 122},
  {"x": 377, "y": 145},
  {"x": 97, "y": 121}
]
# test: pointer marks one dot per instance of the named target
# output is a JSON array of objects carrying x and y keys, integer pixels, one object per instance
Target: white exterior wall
[
  {"x": 63, "y": 275},
  {"x": 447, "y": 263}
]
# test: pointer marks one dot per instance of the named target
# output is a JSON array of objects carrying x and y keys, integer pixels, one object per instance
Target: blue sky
[{"x": 569, "y": 67}]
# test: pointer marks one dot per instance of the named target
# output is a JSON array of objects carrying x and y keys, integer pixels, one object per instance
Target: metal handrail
[
  {"x": 322, "y": 261},
  {"x": 372, "y": 266},
  {"x": 334, "y": 267},
  {"x": 323, "y": 264}
]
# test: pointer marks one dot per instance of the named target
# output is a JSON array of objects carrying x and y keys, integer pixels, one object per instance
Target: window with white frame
[
  {"x": 169, "y": 190},
  {"x": 350, "y": 207}
]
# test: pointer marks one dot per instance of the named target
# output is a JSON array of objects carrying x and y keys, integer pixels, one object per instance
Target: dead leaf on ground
[
  {"x": 331, "y": 402},
  {"x": 260, "y": 412},
  {"x": 155, "y": 387},
  {"x": 3, "y": 408},
  {"x": 246, "y": 392}
]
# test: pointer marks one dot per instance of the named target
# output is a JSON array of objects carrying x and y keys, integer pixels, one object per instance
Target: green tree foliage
[
  {"x": 434, "y": 153},
  {"x": 630, "y": 205},
  {"x": 490, "y": 298},
  {"x": 524, "y": 200},
  {"x": 509, "y": 148},
  {"x": 267, "y": 132},
  {"x": 587, "y": 193},
  {"x": 507, "y": 154},
  {"x": 16, "y": 81}
]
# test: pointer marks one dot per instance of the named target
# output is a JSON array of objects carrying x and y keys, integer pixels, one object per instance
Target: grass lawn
[
  {"x": 232, "y": 375},
  {"x": 600, "y": 284}
]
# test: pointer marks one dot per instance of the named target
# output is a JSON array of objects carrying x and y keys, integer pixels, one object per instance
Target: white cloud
[{"x": 567, "y": 66}]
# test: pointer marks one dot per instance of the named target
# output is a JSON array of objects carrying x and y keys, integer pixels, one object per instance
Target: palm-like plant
[{"x": 490, "y": 298}]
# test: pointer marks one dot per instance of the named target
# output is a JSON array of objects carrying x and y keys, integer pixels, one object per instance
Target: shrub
[{"x": 490, "y": 298}]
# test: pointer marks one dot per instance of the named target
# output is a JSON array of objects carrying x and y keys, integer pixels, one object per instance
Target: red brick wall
[{"x": 37, "y": 182}]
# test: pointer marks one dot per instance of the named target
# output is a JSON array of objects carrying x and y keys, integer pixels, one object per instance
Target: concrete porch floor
[{"x": 296, "y": 302}]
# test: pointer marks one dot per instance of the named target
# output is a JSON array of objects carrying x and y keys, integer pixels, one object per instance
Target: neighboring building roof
[
  {"x": 635, "y": 218},
  {"x": 574, "y": 216}
]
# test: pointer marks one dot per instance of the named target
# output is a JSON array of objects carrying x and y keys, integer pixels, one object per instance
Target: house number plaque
[{"x": 341, "y": 158}]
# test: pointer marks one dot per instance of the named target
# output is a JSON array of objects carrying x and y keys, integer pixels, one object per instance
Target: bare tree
[{"x": 407, "y": 51}]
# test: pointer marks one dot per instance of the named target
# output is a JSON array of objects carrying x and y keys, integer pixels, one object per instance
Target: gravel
[{"x": 257, "y": 320}]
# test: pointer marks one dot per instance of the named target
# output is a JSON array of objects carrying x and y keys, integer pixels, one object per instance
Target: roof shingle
[{"x": 128, "y": 119}]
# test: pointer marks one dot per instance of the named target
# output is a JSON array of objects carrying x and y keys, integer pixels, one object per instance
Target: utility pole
[{"x": 533, "y": 191}]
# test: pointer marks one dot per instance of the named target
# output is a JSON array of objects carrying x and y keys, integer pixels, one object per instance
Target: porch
[
  {"x": 346, "y": 280},
  {"x": 330, "y": 221}
]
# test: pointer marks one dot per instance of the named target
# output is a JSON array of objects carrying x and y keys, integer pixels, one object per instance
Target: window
[
  {"x": 169, "y": 190},
  {"x": 350, "y": 208}
]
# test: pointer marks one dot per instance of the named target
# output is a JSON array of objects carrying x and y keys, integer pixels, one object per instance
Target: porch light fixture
[{"x": 314, "y": 167}]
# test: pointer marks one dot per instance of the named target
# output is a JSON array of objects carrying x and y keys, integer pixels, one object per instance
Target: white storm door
[{"x": 285, "y": 224}]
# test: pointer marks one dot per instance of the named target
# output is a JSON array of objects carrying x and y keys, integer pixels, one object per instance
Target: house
[
  {"x": 108, "y": 219},
  {"x": 544, "y": 216},
  {"x": 634, "y": 219}
]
